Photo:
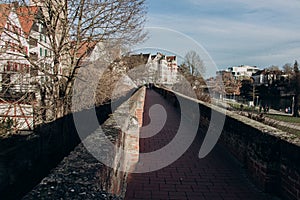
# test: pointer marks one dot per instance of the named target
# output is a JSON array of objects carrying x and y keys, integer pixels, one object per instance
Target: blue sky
[{"x": 234, "y": 32}]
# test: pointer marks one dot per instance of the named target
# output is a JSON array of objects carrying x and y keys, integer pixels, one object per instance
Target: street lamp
[
  {"x": 253, "y": 90},
  {"x": 293, "y": 104}
]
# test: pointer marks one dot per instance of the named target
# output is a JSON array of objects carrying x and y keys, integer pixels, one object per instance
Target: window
[
  {"x": 8, "y": 26},
  {"x": 41, "y": 52},
  {"x": 13, "y": 47},
  {"x": 15, "y": 67},
  {"x": 25, "y": 49},
  {"x": 27, "y": 68},
  {"x": 22, "y": 67},
  {"x": 10, "y": 46},
  {"x": 46, "y": 52},
  {"x": 8, "y": 66},
  {"x": 41, "y": 37}
]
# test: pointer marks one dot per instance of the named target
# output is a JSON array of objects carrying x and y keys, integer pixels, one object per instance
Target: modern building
[
  {"x": 243, "y": 71},
  {"x": 268, "y": 77}
]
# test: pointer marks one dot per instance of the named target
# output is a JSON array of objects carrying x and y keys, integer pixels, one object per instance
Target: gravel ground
[{"x": 78, "y": 176}]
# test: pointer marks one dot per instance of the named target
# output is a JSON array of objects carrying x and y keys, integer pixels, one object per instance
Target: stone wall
[
  {"x": 26, "y": 159},
  {"x": 84, "y": 174},
  {"x": 271, "y": 157}
]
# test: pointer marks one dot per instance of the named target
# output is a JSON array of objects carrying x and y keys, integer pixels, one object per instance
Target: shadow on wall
[
  {"x": 271, "y": 157},
  {"x": 26, "y": 160}
]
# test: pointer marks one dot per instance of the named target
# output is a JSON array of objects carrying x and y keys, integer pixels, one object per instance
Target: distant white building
[
  {"x": 166, "y": 67},
  {"x": 243, "y": 71}
]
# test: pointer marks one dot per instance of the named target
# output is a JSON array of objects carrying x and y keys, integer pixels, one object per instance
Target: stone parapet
[
  {"x": 270, "y": 156},
  {"x": 83, "y": 174}
]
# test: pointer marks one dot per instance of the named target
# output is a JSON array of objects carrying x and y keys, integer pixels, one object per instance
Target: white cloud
[
  {"x": 260, "y": 37},
  {"x": 251, "y": 4}
]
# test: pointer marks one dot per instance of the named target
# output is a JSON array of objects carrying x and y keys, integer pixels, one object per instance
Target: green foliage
[
  {"x": 284, "y": 118},
  {"x": 237, "y": 106},
  {"x": 294, "y": 132}
]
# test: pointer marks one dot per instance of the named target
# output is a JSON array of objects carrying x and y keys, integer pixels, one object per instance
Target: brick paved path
[{"x": 217, "y": 176}]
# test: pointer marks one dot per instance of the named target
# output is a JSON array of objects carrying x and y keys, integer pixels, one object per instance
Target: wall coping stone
[
  {"x": 250, "y": 122},
  {"x": 81, "y": 176}
]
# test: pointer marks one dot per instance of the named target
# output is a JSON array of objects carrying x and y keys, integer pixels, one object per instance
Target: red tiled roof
[
  {"x": 85, "y": 48},
  {"x": 171, "y": 58},
  {"x": 4, "y": 12},
  {"x": 27, "y": 15}
]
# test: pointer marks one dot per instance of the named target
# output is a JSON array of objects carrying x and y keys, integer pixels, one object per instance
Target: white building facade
[
  {"x": 26, "y": 59},
  {"x": 14, "y": 66},
  {"x": 166, "y": 68},
  {"x": 243, "y": 71}
]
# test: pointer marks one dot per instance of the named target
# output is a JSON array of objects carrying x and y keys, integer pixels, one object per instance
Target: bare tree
[
  {"x": 191, "y": 85},
  {"x": 71, "y": 29},
  {"x": 273, "y": 68},
  {"x": 195, "y": 63},
  {"x": 287, "y": 68}
]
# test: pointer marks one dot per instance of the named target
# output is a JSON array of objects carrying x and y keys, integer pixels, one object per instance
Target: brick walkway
[{"x": 217, "y": 176}]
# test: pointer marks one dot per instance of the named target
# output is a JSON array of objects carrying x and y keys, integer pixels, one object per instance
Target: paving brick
[
  {"x": 216, "y": 177},
  {"x": 160, "y": 195},
  {"x": 167, "y": 187},
  {"x": 177, "y": 195},
  {"x": 142, "y": 194},
  {"x": 195, "y": 196}
]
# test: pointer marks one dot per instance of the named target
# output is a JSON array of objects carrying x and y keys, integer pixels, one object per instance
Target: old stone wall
[
  {"x": 84, "y": 174},
  {"x": 26, "y": 159},
  {"x": 271, "y": 157}
]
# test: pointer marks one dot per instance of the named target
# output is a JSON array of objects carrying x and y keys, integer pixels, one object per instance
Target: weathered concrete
[
  {"x": 82, "y": 175},
  {"x": 271, "y": 156}
]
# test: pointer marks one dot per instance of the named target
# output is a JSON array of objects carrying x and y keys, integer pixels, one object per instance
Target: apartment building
[
  {"x": 26, "y": 58},
  {"x": 14, "y": 65},
  {"x": 243, "y": 71}
]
